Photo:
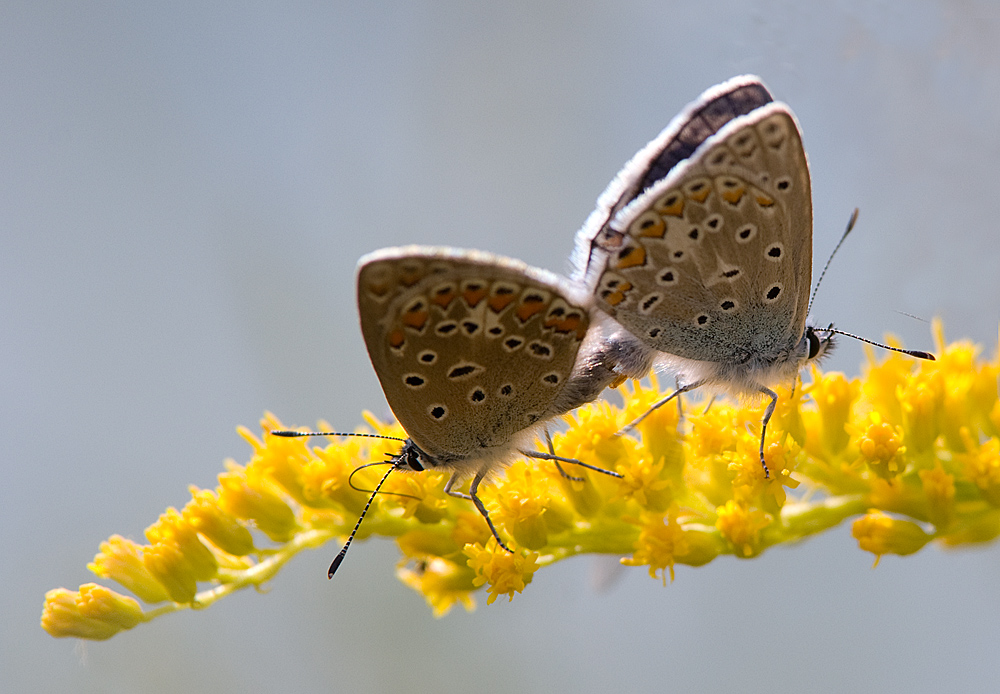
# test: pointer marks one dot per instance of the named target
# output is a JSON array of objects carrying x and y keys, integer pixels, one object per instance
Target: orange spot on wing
[
  {"x": 618, "y": 295},
  {"x": 733, "y": 195},
  {"x": 416, "y": 319},
  {"x": 699, "y": 194},
  {"x": 498, "y": 302},
  {"x": 764, "y": 201},
  {"x": 396, "y": 339},
  {"x": 674, "y": 205},
  {"x": 408, "y": 278},
  {"x": 473, "y": 294},
  {"x": 529, "y": 307},
  {"x": 572, "y": 323},
  {"x": 631, "y": 257},
  {"x": 443, "y": 297},
  {"x": 653, "y": 228}
]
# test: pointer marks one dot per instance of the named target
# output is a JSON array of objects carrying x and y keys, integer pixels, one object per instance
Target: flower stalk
[{"x": 910, "y": 450}]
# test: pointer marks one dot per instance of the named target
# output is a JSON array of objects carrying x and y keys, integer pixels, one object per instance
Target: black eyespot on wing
[
  {"x": 540, "y": 350},
  {"x": 438, "y": 412},
  {"x": 428, "y": 357},
  {"x": 783, "y": 184},
  {"x": 477, "y": 395},
  {"x": 463, "y": 370},
  {"x": 512, "y": 343},
  {"x": 693, "y": 234},
  {"x": 727, "y": 305},
  {"x": 414, "y": 380},
  {"x": 702, "y": 319},
  {"x": 506, "y": 389},
  {"x": 446, "y": 328},
  {"x": 774, "y": 251},
  {"x": 470, "y": 327},
  {"x": 730, "y": 274},
  {"x": 773, "y": 293},
  {"x": 551, "y": 379},
  {"x": 655, "y": 332},
  {"x": 495, "y": 330}
]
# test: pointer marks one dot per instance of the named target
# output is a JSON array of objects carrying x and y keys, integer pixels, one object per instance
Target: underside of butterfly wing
[
  {"x": 471, "y": 349},
  {"x": 698, "y": 121},
  {"x": 713, "y": 262}
]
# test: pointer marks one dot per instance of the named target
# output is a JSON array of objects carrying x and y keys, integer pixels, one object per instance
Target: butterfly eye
[
  {"x": 412, "y": 460},
  {"x": 814, "y": 343}
]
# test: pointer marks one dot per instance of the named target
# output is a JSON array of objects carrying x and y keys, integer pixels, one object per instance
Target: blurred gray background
[{"x": 185, "y": 191}]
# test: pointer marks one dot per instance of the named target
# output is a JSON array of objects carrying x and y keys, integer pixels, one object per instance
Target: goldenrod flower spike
[{"x": 910, "y": 451}]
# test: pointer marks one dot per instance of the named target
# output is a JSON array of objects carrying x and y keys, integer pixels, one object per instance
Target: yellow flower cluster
[{"x": 911, "y": 449}]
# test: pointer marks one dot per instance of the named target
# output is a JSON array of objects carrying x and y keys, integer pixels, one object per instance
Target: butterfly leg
[
  {"x": 638, "y": 420},
  {"x": 763, "y": 428},
  {"x": 572, "y": 461},
  {"x": 552, "y": 452},
  {"x": 474, "y": 498},
  {"x": 680, "y": 401}
]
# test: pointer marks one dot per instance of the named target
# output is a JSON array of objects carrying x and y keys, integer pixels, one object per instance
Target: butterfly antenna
[
  {"x": 391, "y": 461},
  {"x": 293, "y": 434},
  {"x": 343, "y": 552},
  {"x": 910, "y": 315},
  {"x": 919, "y": 354},
  {"x": 850, "y": 225}
]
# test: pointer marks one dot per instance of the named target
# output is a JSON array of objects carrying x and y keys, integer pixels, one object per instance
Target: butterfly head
[
  {"x": 412, "y": 457},
  {"x": 816, "y": 343}
]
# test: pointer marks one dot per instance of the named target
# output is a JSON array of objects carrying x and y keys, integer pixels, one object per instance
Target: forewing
[
  {"x": 470, "y": 348},
  {"x": 698, "y": 121},
  {"x": 714, "y": 261}
]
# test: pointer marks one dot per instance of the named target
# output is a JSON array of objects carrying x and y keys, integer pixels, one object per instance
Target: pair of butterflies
[{"x": 698, "y": 255}]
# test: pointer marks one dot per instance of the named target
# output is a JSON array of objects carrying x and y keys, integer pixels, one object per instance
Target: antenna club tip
[
  {"x": 335, "y": 565},
  {"x": 287, "y": 434},
  {"x": 921, "y": 355}
]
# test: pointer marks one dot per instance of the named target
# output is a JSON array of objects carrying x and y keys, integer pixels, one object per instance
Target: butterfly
[
  {"x": 701, "y": 247},
  {"x": 475, "y": 354}
]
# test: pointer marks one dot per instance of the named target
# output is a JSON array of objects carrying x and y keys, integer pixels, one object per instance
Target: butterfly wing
[
  {"x": 698, "y": 121},
  {"x": 470, "y": 348},
  {"x": 713, "y": 262}
]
